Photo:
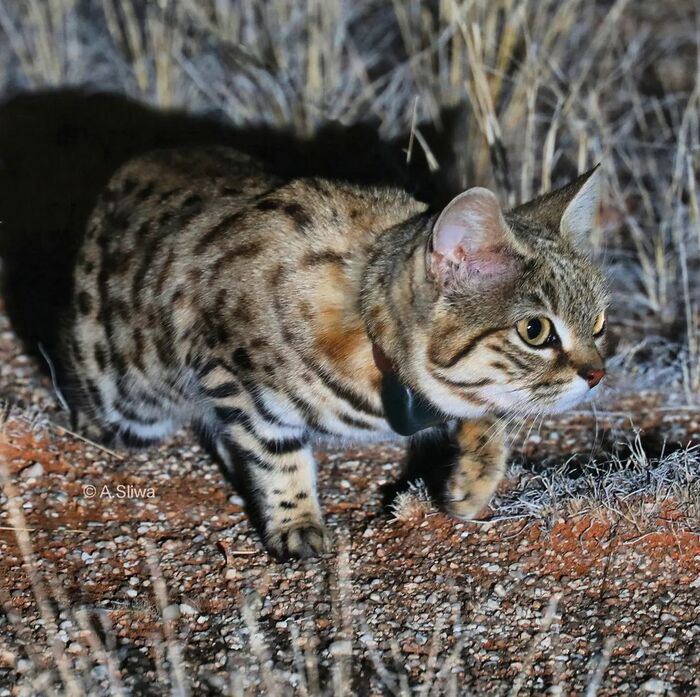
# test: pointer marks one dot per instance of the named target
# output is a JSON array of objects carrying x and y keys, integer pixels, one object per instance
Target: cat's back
[
  {"x": 202, "y": 255},
  {"x": 215, "y": 207},
  {"x": 180, "y": 188}
]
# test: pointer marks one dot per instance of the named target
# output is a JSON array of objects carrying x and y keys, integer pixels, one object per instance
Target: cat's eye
[
  {"x": 599, "y": 325},
  {"x": 536, "y": 331}
]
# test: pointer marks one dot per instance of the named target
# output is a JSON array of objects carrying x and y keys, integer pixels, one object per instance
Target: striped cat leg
[
  {"x": 293, "y": 521},
  {"x": 280, "y": 474},
  {"x": 478, "y": 469}
]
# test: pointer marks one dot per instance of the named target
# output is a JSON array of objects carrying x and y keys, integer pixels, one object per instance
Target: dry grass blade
[
  {"x": 541, "y": 90},
  {"x": 71, "y": 684},
  {"x": 169, "y": 615},
  {"x": 535, "y": 646}
]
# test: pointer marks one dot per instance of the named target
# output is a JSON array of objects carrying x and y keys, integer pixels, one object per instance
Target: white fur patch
[
  {"x": 564, "y": 333},
  {"x": 576, "y": 393}
]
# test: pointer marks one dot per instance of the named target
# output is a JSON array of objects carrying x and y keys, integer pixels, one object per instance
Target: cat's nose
[{"x": 592, "y": 375}]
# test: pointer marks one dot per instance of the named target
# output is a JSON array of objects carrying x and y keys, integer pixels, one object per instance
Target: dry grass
[
  {"x": 634, "y": 487},
  {"x": 93, "y": 665},
  {"x": 545, "y": 88}
]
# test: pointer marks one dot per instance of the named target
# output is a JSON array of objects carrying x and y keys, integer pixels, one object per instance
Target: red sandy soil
[{"x": 483, "y": 588}]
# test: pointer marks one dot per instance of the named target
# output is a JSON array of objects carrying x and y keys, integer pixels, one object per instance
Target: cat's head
[{"x": 518, "y": 323}]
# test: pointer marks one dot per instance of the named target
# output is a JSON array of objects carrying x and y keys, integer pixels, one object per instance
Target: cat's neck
[{"x": 395, "y": 290}]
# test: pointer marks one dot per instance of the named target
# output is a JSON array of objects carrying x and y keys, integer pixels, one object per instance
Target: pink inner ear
[
  {"x": 482, "y": 268},
  {"x": 470, "y": 240},
  {"x": 449, "y": 241}
]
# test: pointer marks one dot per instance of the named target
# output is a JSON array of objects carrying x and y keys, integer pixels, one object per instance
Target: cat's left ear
[
  {"x": 571, "y": 210},
  {"x": 581, "y": 213}
]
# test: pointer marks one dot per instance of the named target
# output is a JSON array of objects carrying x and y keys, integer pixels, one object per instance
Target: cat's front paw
[
  {"x": 464, "y": 509},
  {"x": 465, "y": 496},
  {"x": 301, "y": 541}
]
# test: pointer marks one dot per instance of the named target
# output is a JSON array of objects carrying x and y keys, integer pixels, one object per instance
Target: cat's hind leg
[{"x": 277, "y": 474}]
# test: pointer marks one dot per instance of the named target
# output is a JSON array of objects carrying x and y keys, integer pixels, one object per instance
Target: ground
[
  {"x": 583, "y": 576},
  {"x": 153, "y": 579}
]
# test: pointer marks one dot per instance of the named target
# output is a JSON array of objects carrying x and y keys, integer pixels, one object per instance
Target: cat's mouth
[{"x": 523, "y": 402}]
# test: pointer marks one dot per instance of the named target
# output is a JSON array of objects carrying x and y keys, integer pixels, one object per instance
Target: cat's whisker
[
  {"x": 499, "y": 423},
  {"x": 500, "y": 426},
  {"x": 522, "y": 423},
  {"x": 494, "y": 431},
  {"x": 532, "y": 425}
]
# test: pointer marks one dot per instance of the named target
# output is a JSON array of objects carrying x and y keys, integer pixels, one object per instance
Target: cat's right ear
[{"x": 471, "y": 243}]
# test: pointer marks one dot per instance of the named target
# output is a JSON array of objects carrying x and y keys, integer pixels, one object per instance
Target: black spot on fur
[
  {"x": 191, "y": 207},
  {"x": 242, "y": 312},
  {"x": 165, "y": 218},
  {"x": 221, "y": 229},
  {"x": 282, "y": 447},
  {"x": 140, "y": 349},
  {"x": 327, "y": 257},
  {"x": 268, "y": 204},
  {"x": 242, "y": 251},
  {"x": 215, "y": 331},
  {"x": 84, "y": 303},
  {"x": 145, "y": 191},
  {"x": 297, "y": 213},
  {"x": 192, "y": 201},
  {"x": 164, "y": 271},
  {"x": 242, "y": 359},
  {"x": 118, "y": 219},
  {"x": 93, "y": 394},
  {"x": 100, "y": 357},
  {"x": 129, "y": 186},
  {"x": 226, "y": 389},
  {"x": 169, "y": 193}
]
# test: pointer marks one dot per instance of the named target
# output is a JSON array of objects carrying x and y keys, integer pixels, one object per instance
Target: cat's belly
[
  {"x": 328, "y": 417},
  {"x": 346, "y": 435}
]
